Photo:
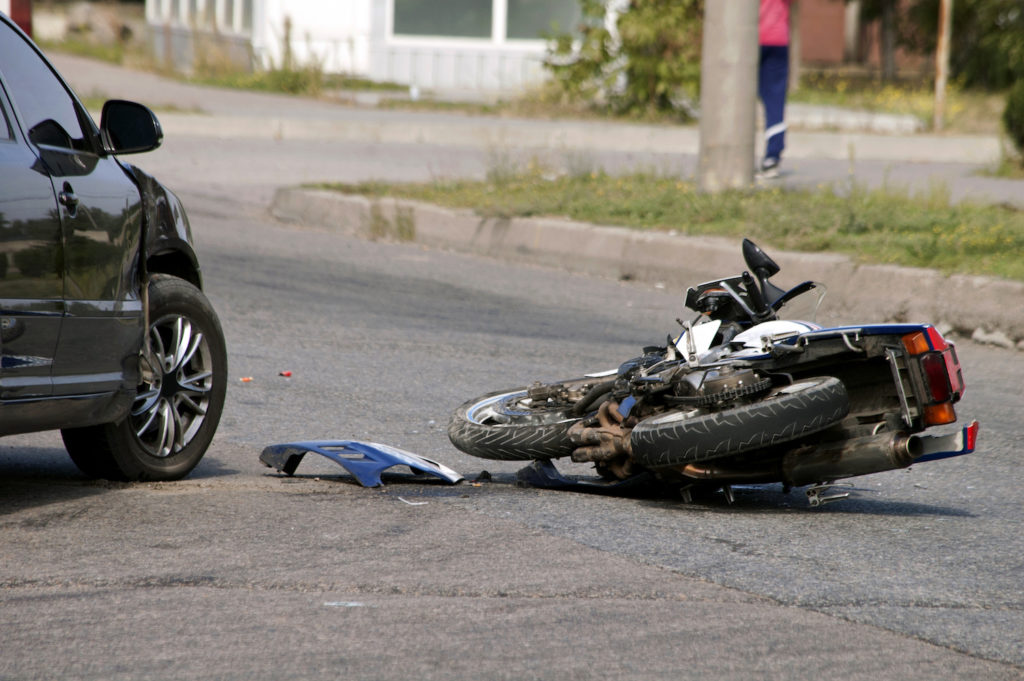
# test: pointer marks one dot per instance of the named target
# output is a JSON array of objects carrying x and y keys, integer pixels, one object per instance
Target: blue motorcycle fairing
[{"x": 364, "y": 460}]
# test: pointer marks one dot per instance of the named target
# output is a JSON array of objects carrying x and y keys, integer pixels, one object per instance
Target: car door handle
[{"x": 68, "y": 199}]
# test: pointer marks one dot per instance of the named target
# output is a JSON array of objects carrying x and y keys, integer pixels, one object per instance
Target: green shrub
[
  {"x": 1013, "y": 115},
  {"x": 653, "y": 65},
  {"x": 987, "y": 48}
]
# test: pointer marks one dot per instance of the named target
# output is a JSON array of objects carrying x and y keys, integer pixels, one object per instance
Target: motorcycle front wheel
[
  {"x": 785, "y": 414},
  {"x": 509, "y": 426}
]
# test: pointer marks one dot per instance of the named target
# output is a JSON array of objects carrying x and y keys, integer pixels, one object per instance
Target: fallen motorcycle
[{"x": 739, "y": 396}]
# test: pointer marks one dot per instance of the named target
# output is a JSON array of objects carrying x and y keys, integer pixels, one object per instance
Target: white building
[{"x": 482, "y": 45}]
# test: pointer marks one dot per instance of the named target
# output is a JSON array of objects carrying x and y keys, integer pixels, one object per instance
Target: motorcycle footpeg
[{"x": 817, "y": 495}]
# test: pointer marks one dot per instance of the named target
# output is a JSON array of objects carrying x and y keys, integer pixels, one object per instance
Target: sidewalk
[{"x": 207, "y": 111}]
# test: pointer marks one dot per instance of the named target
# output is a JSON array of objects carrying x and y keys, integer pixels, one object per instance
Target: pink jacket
[{"x": 773, "y": 26}]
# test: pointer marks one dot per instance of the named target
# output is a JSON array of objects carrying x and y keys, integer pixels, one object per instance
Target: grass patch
[
  {"x": 113, "y": 53},
  {"x": 311, "y": 82},
  {"x": 1007, "y": 170},
  {"x": 289, "y": 81},
  {"x": 1009, "y": 167},
  {"x": 882, "y": 226},
  {"x": 968, "y": 112}
]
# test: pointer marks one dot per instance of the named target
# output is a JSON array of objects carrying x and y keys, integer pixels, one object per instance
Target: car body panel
[
  {"x": 168, "y": 236},
  {"x": 31, "y": 252},
  {"x": 102, "y": 326}
]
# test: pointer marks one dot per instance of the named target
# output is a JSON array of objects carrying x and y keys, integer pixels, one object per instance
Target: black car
[{"x": 105, "y": 333}]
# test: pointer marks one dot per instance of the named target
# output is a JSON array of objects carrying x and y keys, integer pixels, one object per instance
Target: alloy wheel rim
[{"x": 174, "y": 395}]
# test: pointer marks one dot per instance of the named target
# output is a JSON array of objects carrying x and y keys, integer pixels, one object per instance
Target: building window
[
  {"x": 532, "y": 19},
  {"x": 228, "y": 18},
  {"x": 247, "y": 16},
  {"x": 454, "y": 18}
]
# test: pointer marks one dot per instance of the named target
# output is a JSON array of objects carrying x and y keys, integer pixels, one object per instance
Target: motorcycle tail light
[
  {"x": 937, "y": 375},
  {"x": 943, "y": 378},
  {"x": 939, "y": 414}
]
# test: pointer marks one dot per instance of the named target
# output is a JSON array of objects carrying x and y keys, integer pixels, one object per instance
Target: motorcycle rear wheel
[
  {"x": 787, "y": 413},
  {"x": 505, "y": 426}
]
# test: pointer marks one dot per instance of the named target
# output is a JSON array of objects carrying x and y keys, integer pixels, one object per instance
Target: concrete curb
[{"x": 988, "y": 310}]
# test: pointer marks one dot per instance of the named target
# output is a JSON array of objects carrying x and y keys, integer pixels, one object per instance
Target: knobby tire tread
[
  {"x": 513, "y": 442},
  {"x": 775, "y": 420}
]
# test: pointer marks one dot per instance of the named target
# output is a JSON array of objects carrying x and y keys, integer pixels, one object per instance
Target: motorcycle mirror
[
  {"x": 691, "y": 298},
  {"x": 758, "y": 261}
]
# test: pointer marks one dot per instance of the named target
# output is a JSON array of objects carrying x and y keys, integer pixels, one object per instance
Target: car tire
[{"x": 178, "y": 404}]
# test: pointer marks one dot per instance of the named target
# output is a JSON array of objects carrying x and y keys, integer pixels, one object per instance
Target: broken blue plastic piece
[{"x": 364, "y": 460}]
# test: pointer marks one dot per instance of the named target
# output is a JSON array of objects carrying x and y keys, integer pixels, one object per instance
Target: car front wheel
[{"x": 179, "y": 399}]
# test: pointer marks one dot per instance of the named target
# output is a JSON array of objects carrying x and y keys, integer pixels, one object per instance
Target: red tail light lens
[
  {"x": 935, "y": 372},
  {"x": 956, "y": 374}
]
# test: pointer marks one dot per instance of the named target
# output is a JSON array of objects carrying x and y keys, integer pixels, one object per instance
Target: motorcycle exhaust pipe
[{"x": 850, "y": 458}]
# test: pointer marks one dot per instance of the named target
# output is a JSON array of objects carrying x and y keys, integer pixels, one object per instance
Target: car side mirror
[{"x": 129, "y": 128}]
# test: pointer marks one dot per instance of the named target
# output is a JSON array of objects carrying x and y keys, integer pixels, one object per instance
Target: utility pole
[
  {"x": 942, "y": 62},
  {"x": 728, "y": 95}
]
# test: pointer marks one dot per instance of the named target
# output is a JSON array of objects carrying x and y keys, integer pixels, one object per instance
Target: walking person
[{"x": 773, "y": 79}]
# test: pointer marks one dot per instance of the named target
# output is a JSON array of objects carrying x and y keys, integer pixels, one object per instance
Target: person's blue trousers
[{"x": 772, "y": 82}]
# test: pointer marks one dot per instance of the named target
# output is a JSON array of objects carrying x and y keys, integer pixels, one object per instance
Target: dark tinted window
[
  {"x": 531, "y": 19},
  {"x": 462, "y": 18},
  {"x": 47, "y": 109}
]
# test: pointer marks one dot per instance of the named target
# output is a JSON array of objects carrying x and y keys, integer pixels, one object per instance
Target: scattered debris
[
  {"x": 286, "y": 374},
  {"x": 542, "y": 473},
  {"x": 412, "y": 503},
  {"x": 246, "y": 379}
]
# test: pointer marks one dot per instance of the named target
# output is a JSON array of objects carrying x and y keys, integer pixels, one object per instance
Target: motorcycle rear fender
[
  {"x": 935, "y": 447},
  {"x": 803, "y": 333}
]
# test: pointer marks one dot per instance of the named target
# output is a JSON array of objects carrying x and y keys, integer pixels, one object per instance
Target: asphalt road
[{"x": 239, "y": 573}]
